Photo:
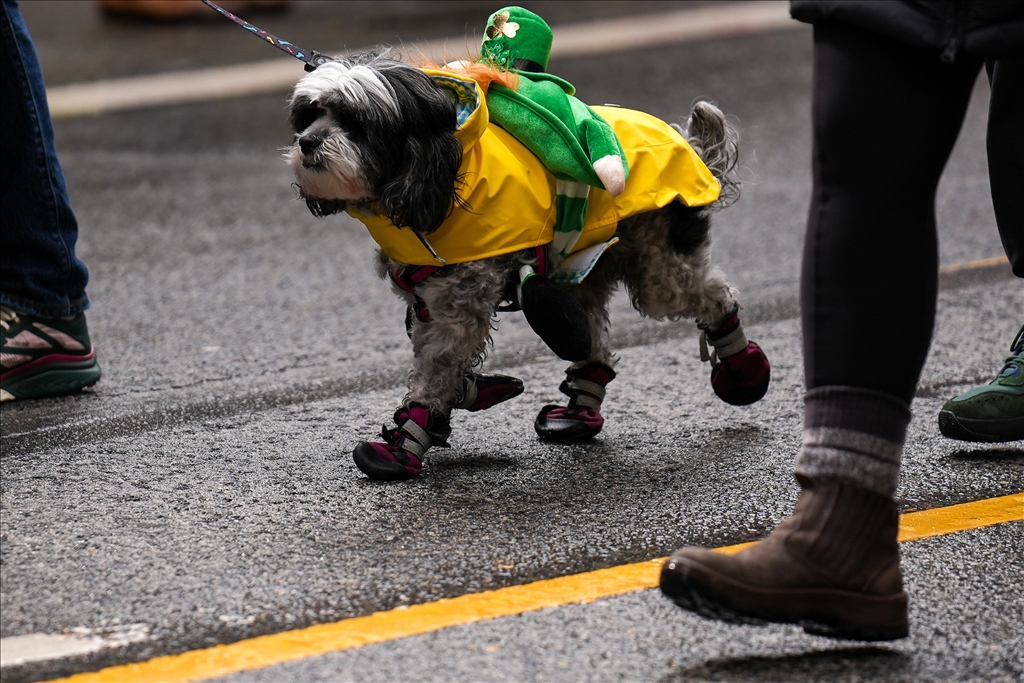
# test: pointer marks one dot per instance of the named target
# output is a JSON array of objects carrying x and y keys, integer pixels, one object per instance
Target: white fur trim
[{"x": 609, "y": 169}]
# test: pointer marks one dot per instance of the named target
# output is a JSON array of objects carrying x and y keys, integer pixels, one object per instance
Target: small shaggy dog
[{"x": 452, "y": 199}]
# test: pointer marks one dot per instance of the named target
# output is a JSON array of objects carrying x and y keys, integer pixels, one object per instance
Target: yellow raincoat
[{"x": 510, "y": 196}]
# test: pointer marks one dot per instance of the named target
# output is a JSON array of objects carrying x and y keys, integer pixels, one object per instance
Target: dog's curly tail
[{"x": 716, "y": 141}]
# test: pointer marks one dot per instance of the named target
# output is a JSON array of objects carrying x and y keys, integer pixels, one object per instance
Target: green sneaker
[
  {"x": 993, "y": 413},
  {"x": 44, "y": 356}
]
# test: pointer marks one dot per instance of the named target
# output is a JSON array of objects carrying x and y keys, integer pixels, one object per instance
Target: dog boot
[
  {"x": 581, "y": 419},
  {"x": 401, "y": 456},
  {"x": 832, "y": 567},
  {"x": 481, "y": 391},
  {"x": 740, "y": 371}
]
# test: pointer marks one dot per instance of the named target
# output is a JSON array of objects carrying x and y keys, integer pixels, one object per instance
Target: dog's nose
[{"x": 309, "y": 143}]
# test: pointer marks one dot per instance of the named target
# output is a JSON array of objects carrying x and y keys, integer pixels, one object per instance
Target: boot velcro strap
[
  {"x": 578, "y": 384},
  {"x": 725, "y": 346},
  {"x": 417, "y": 441},
  {"x": 585, "y": 401},
  {"x": 470, "y": 391},
  {"x": 583, "y": 392},
  {"x": 731, "y": 344}
]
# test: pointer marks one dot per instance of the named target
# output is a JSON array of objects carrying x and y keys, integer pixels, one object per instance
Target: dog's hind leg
[
  {"x": 459, "y": 301},
  {"x": 585, "y": 380},
  {"x": 666, "y": 265},
  {"x": 664, "y": 259}
]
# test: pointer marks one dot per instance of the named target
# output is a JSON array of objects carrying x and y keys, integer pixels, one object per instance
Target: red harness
[{"x": 407, "y": 277}]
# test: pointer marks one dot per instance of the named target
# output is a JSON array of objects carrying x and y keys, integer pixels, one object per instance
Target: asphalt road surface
[{"x": 203, "y": 492}]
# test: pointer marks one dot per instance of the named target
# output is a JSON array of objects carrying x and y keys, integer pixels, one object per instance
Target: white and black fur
[{"x": 377, "y": 134}]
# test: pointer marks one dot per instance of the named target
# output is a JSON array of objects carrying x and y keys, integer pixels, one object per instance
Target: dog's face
[{"x": 379, "y": 132}]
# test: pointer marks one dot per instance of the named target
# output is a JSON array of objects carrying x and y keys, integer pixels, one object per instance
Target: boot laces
[
  {"x": 1015, "y": 363},
  {"x": 8, "y": 316}
]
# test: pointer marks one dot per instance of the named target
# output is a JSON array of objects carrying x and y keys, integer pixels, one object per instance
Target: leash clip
[{"x": 314, "y": 60}]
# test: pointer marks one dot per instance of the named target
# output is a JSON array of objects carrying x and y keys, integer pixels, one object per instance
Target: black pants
[{"x": 885, "y": 118}]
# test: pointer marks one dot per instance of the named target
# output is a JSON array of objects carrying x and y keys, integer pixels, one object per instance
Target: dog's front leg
[
  {"x": 449, "y": 338},
  {"x": 461, "y": 301}
]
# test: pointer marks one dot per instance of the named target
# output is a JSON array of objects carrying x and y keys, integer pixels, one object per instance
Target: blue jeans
[{"x": 39, "y": 272}]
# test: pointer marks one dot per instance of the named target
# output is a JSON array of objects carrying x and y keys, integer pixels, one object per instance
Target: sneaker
[
  {"x": 993, "y": 413},
  {"x": 45, "y": 356}
]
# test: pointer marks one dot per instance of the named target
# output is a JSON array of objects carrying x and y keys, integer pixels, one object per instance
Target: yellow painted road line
[
  {"x": 278, "y": 75},
  {"x": 264, "y": 651},
  {"x": 971, "y": 265},
  {"x": 948, "y": 520}
]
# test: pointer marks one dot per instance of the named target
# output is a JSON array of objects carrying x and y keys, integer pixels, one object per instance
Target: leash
[{"x": 312, "y": 58}]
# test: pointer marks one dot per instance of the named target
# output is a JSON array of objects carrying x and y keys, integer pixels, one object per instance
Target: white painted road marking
[{"x": 37, "y": 647}]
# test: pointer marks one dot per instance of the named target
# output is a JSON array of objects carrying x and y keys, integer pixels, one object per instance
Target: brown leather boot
[{"x": 832, "y": 567}]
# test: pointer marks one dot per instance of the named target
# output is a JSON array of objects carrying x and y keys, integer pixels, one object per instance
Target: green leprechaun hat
[
  {"x": 514, "y": 34},
  {"x": 516, "y": 38}
]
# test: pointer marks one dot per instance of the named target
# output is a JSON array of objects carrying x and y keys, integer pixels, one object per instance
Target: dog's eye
[
  {"x": 350, "y": 123},
  {"x": 304, "y": 117}
]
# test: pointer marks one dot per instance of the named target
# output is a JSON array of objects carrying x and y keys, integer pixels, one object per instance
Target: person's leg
[
  {"x": 994, "y": 413},
  {"x": 885, "y": 119},
  {"x": 1005, "y": 144},
  {"x": 40, "y": 274},
  {"x": 46, "y": 347}
]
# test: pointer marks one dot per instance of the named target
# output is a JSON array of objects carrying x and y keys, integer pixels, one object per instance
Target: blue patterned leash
[{"x": 312, "y": 58}]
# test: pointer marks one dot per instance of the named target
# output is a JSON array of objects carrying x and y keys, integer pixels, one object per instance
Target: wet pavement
[{"x": 204, "y": 491}]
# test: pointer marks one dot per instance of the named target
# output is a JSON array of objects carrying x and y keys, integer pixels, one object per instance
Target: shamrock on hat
[{"x": 514, "y": 33}]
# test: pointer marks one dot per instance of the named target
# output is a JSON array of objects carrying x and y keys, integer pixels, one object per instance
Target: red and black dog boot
[
  {"x": 740, "y": 372},
  {"x": 482, "y": 391},
  {"x": 581, "y": 419},
  {"x": 401, "y": 454}
]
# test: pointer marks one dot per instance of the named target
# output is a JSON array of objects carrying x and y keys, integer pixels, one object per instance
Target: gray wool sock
[{"x": 853, "y": 436}]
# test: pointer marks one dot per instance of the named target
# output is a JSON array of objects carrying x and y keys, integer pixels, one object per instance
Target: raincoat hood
[{"x": 470, "y": 104}]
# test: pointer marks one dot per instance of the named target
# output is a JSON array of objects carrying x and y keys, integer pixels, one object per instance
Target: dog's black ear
[{"x": 423, "y": 191}]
